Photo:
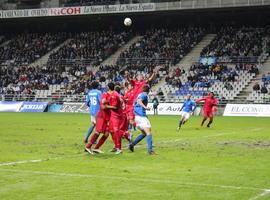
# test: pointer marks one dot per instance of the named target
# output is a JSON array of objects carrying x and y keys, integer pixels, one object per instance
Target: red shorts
[
  {"x": 124, "y": 123},
  {"x": 101, "y": 125},
  {"x": 208, "y": 113},
  {"x": 114, "y": 124}
]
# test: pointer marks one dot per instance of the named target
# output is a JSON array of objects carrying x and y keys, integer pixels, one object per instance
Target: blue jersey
[
  {"x": 188, "y": 106},
  {"x": 138, "y": 109},
  {"x": 93, "y": 101}
]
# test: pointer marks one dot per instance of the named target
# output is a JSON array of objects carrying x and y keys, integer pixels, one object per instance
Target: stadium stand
[
  {"x": 28, "y": 47},
  {"x": 90, "y": 47},
  {"x": 79, "y": 61},
  {"x": 159, "y": 46}
]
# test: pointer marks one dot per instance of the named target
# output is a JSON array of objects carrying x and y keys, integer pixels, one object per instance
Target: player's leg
[
  {"x": 115, "y": 125},
  {"x": 90, "y": 130},
  {"x": 181, "y": 122},
  {"x": 149, "y": 140},
  {"x": 93, "y": 139},
  {"x": 211, "y": 119},
  {"x": 205, "y": 116},
  {"x": 139, "y": 138},
  {"x": 101, "y": 141}
]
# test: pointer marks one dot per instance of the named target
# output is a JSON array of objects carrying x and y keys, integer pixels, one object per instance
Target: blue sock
[
  {"x": 138, "y": 139},
  {"x": 149, "y": 143},
  {"x": 90, "y": 130}
]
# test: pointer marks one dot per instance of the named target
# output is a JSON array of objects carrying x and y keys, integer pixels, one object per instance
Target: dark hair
[
  {"x": 117, "y": 88},
  {"x": 111, "y": 86},
  {"x": 212, "y": 93},
  {"x": 146, "y": 88},
  {"x": 94, "y": 85}
]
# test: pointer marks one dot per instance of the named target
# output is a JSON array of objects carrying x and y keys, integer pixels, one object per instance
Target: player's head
[
  {"x": 188, "y": 96},
  {"x": 146, "y": 89},
  {"x": 139, "y": 77},
  {"x": 117, "y": 88},
  {"x": 129, "y": 86},
  {"x": 111, "y": 86},
  {"x": 211, "y": 94},
  {"x": 94, "y": 85}
]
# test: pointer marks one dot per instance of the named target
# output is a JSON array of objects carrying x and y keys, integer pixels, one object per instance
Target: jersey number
[{"x": 93, "y": 100}]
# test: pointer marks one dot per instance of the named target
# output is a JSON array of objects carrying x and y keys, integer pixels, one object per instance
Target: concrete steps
[
  {"x": 194, "y": 54},
  {"x": 113, "y": 58},
  {"x": 249, "y": 88},
  {"x": 44, "y": 59}
]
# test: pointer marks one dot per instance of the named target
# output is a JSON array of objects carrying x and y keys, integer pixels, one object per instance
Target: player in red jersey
[
  {"x": 129, "y": 98},
  {"x": 209, "y": 107},
  {"x": 124, "y": 119},
  {"x": 139, "y": 83},
  {"x": 102, "y": 119},
  {"x": 115, "y": 117}
]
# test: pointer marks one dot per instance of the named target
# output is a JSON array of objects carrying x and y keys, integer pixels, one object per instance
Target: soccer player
[
  {"x": 186, "y": 111},
  {"x": 102, "y": 119},
  {"x": 124, "y": 120},
  {"x": 142, "y": 122},
  {"x": 210, "y": 103},
  {"x": 129, "y": 98},
  {"x": 93, "y": 102},
  {"x": 115, "y": 117},
  {"x": 139, "y": 83}
]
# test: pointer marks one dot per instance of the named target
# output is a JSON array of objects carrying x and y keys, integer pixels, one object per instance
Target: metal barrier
[{"x": 60, "y": 98}]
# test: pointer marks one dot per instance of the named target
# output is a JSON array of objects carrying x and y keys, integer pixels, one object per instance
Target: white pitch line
[
  {"x": 20, "y": 162},
  {"x": 36, "y": 161},
  {"x": 128, "y": 178},
  {"x": 158, "y": 143},
  {"x": 264, "y": 193}
]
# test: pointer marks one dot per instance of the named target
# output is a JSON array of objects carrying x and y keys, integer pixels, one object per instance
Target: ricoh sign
[
  {"x": 253, "y": 110},
  {"x": 80, "y": 10}
]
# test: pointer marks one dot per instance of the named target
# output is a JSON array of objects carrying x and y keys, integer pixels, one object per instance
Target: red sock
[
  {"x": 118, "y": 140},
  {"x": 113, "y": 138},
  {"x": 92, "y": 140},
  {"x": 101, "y": 141}
]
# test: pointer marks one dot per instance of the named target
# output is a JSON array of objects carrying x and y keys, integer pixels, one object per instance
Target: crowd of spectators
[
  {"x": 161, "y": 46},
  {"x": 264, "y": 85},
  {"x": 26, "y": 48},
  {"x": 89, "y": 47},
  {"x": 202, "y": 76},
  {"x": 229, "y": 42}
]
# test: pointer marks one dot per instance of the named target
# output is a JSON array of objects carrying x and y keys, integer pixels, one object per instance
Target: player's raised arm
[{"x": 199, "y": 100}]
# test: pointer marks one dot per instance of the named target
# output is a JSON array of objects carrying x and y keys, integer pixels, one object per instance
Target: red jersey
[
  {"x": 209, "y": 103},
  {"x": 114, "y": 100},
  {"x": 129, "y": 97},
  {"x": 104, "y": 112},
  {"x": 138, "y": 86}
]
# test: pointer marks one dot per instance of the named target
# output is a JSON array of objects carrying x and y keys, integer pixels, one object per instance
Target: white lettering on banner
[
  {"x": 33, "y": 107},
  {"x": 82, "y": 10},
  {"x": 253, "y": 110},
  {"x": 169, "y": 109}
]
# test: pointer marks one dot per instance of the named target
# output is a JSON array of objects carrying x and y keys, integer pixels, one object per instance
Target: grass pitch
[{"x": 41, "y": 157}]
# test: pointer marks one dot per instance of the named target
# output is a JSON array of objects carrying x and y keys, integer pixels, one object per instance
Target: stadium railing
[{"x": 60, "y": 98}]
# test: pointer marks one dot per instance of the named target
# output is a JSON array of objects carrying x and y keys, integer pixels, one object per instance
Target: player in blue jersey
[
  {"x": 142, "y": 122},
  {"x": 93, "y": 102},
  {"x": 186, "y": 111}
]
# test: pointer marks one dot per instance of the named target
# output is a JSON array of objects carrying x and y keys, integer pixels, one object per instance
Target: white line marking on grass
[
  {"x": 36, "y": 161},
  {"x": 264, "y": 193},
  {"x": 128, "y": 178},
  {"x": 20, "y": 162}
]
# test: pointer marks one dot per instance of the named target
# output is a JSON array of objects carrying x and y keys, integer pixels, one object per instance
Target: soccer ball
[{"x": 127, "y": 21}]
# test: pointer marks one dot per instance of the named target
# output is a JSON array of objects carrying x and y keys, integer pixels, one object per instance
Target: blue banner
[
  {"x": 54, "y": 108},
  {"x": 33, "y": 106}
]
